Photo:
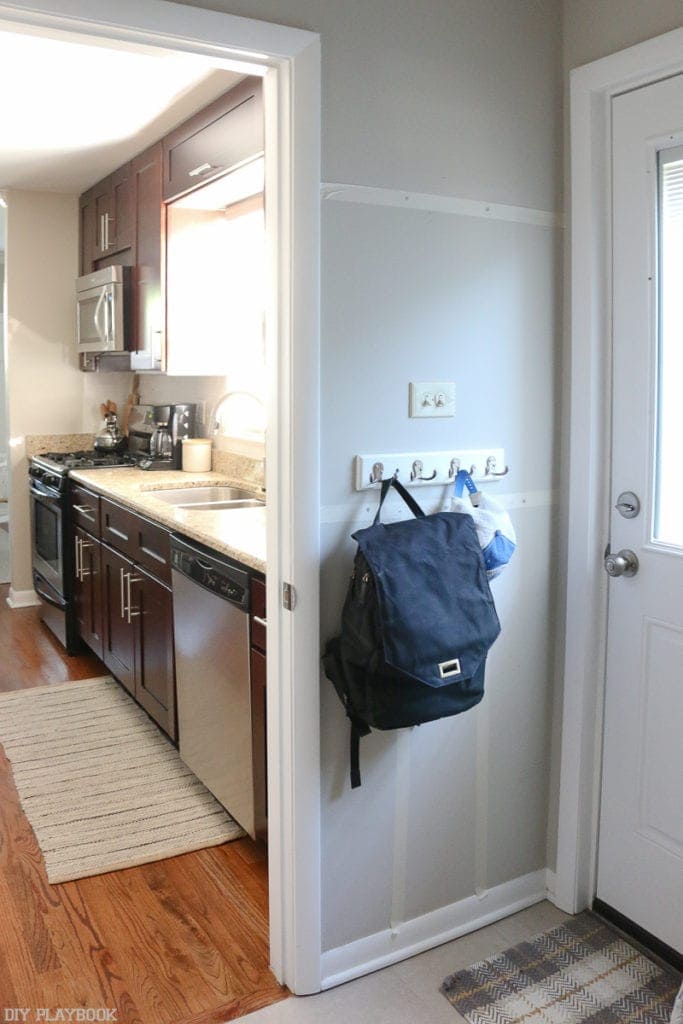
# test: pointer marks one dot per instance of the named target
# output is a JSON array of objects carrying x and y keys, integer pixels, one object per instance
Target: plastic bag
[{"x": 495, "y": 531}]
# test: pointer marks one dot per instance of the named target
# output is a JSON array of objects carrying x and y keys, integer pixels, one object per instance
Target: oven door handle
[
  {"x": 49, "y": 496},
  {"x": 101, "y": 328},
  {"x": 46, "y": 597}
]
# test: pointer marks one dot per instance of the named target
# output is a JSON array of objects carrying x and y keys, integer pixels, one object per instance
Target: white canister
[{"x": 196, "y": 454}]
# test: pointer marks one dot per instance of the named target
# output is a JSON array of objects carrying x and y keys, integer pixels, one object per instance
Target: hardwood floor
[{"x": 180, "y": 941}]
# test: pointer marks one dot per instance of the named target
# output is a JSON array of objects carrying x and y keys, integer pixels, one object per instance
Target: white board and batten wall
[{"x": 459, "y": 101}]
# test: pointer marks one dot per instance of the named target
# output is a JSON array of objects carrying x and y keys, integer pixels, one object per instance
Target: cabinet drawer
[
  {"x": 258, "y": 613},
  {"x": 118, "y": 526},
  {"x": 225, "y": 134},
  {"x": 143, "y": 541},
  {"x": 153, "y": 549},
  {"x": 85, "y": 509}
]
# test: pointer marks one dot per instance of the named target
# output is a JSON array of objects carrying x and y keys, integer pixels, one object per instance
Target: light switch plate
[{"x": 432, "y": 398}]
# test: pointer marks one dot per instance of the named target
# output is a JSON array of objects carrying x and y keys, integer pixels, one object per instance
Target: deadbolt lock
[{"x": 628, "y": 505}]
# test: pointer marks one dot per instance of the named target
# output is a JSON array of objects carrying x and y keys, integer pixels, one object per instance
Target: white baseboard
[
  {"x": 550, "y": 884},
  {"x": 415, "y": 936},
  {"x": 22, "y": 598}
]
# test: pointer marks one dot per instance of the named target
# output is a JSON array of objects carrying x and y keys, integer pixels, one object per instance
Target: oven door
[{"x": 47, "y": 537}]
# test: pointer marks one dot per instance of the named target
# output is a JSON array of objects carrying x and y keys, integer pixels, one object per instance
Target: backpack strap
[
  {"x": 408, "y": 498},
  {"x": 358, "y": 729}
]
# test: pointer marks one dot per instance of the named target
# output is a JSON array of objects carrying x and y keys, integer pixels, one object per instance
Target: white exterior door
[{"x": 640, "y": 861}]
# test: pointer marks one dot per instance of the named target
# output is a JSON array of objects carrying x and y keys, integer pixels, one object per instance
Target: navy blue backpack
[{"x": 417, "y": 623}]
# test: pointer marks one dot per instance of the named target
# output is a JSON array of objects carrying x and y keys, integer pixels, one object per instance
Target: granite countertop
[{"x": 239, "y": 533}]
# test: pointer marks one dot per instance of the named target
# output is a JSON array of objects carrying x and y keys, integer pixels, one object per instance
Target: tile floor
[{"x": 408, "y": 993}]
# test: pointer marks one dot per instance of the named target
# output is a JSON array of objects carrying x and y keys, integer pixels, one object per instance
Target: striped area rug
[
  {"x": 101, "y": 786},
  {"x": 577, "y": 973}
]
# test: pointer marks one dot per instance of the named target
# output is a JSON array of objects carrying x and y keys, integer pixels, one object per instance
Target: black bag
[{"x": 417, "y": 623}]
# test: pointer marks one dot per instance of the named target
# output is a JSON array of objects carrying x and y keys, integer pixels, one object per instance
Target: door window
[{"x": 668, "y": 522}]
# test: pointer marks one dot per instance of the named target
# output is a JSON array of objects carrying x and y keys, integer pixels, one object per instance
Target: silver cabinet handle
[
  {"x": 85, "y": 510},
  {"x": 84, "y": 572},
  {"x": 105, "y": 218},
  {"x": 261, "y": 622},
  {"x": 78, "y": 558},
  {"x": 202, "y": 169},
  {"x": 123, "y": 599},
  {"x": 129, "y": 611}
]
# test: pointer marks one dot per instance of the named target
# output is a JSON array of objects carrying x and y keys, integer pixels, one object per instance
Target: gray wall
[
  {"x": 595, "y": 28},
  {"x": 462, "y": 98}
]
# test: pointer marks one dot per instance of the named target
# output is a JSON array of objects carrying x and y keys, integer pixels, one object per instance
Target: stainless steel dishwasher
[{"x": 211, "y": 620}]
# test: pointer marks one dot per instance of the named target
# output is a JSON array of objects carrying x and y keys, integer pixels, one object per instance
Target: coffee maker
[
  {"x": 182, "y": 423},
  {"x": 156, "y": 434}
]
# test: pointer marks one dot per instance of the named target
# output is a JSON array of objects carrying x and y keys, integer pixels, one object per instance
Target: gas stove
[
  {"x": 62, "y": 462},
  {"x": 53, "y": 567}
]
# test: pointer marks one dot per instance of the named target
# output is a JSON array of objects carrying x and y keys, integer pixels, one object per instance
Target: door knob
[{"x": 624, "y": 563}]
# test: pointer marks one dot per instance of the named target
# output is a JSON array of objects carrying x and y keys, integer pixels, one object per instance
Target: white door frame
[
  {"x": 592, "y": 90},
  {"x": 292, "y": 91}
]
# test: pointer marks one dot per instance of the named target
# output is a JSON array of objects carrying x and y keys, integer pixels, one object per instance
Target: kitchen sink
[{"x": 207, "y": 498}]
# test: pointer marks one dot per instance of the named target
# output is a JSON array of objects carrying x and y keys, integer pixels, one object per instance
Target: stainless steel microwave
[{"x": 102, "y": 300}]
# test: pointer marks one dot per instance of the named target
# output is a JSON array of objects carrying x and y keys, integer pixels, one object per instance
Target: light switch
[{"x": 432, "y": 398}]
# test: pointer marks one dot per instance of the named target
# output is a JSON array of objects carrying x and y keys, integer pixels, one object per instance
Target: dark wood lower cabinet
[
  {"x": 154, "y": 664},
  {"x": 88, "y": 589},
  {"x": 259, "y": 705},
  {"x": 259, "y": 720},
  {"x": 138, "y": 636},
  {"x": 119, "y": 632}
]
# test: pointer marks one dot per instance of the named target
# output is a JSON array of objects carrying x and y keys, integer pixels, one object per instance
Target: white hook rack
[{"x": 430, "y": 469}]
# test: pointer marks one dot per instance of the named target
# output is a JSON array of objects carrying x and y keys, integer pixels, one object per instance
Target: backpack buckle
[{"x": 449, "y": 668}]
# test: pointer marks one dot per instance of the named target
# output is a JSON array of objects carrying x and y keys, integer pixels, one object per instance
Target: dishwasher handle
[{"x": 207, "y": 569}]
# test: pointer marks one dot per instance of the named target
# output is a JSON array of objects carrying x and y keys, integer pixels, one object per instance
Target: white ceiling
[{"x": 73, "y": 109}]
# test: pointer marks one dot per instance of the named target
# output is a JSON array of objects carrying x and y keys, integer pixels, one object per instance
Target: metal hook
[
  {"x": 377, "y": 473},
  {"x": 454, "y": 468},
  {"x": 417, "y": 470},
  {"x": 491, "y": 467}
]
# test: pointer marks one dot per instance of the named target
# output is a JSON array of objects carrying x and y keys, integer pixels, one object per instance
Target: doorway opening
[
  {"x": 4, "y": 475},
  {"x": 292, "y": 129},
  {"x": 602, "y": 255}
]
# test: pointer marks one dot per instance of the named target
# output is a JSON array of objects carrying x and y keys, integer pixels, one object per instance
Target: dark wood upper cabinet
[
  {"x": 121, "y": 235},
  {"x": 106, "y": 220},
  {"x": 223, "y": 135},
  {"x": 149, "y": 234},
  {"x": 114, "y": 213},
  {"x": 87, "y": 232},
  {"x": 123, "y": 217}
]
